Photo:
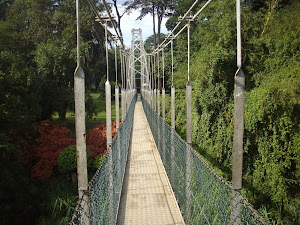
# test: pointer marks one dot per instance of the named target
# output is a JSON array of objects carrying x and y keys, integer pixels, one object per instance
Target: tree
[
  {"x": 119, "y": 15},
  {"x": 38, "y": 56},
  {"x": 158, "y": 9},
  {"x": 149, "y": 43},
  {"x": 55, "y": 66},
  {"x": 271, "y": 66},
  {"x": 4, "y": 5},
  {"x": 181, "y": 8},
  {"x": 67, "y": 161}
]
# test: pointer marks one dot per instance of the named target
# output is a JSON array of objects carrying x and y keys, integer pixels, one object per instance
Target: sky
[{"x": 129, "y": 22}]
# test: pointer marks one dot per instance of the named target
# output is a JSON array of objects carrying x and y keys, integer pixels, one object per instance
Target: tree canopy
[{"x": 270, "y": 46}]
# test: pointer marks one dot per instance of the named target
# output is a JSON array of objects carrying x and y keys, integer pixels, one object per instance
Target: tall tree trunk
[
  {"x": 119, "y": 18},
  {"x": 158, "y": 26},
  {"x": 159, "y": 19},
  {"x": 153, "y": 18},
  {"x": 62, "y": 112},
  {"x": 160, "y": 16},
  {"x": 158, "y": 32}
]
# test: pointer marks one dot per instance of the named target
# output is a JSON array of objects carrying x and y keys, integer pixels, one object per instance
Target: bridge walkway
[{"x": 147, "y": 196}]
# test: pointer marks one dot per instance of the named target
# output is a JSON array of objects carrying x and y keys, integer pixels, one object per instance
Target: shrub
[
  {"x": 96, "y": 139},
  {"x": 67, "y": 160},
  {"x": 41, "y": 145}
]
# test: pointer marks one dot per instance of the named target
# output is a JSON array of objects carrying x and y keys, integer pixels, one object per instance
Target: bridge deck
[{"x": 147, "y": 197}]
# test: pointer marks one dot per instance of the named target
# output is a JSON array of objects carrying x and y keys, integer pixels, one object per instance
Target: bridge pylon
[{"x": 138, "y": 69}]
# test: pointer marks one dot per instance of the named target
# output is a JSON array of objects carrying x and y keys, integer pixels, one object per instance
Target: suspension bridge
[{"x": 150, "y": 175}]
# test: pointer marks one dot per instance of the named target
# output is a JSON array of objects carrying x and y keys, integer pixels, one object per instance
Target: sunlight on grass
[{"x": 90, "y": 122}]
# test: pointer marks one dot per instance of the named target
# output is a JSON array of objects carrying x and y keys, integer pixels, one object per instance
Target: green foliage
[
  {"x": 67, "y": 160},
  {"x": 37, "y": 64},
  {"x": 38, "y": 58},
  {"x": 149, "y": 43},
  {"x": 16, "y": 207},
  {"x": 270, "y": 38},
  {"x": 90, "y": 106},
  {"x": 98, "y": 161},
  {"x": 62, "y": 211},
  {"x": 57, "y": 200}
]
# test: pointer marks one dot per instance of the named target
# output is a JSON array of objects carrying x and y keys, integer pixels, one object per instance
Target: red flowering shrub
[
  {"x": 53, "y": 139},
  {"x": 96, "y": 139},
  {"x": 42, "y": 147},
  {"x": 42, "y": 143},
  {"x": 96, "y": 142}
]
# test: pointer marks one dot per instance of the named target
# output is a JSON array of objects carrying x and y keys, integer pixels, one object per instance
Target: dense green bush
[{"x": 67, "y": 160}]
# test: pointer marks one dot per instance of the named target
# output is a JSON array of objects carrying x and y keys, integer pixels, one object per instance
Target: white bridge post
[{"x": 79, "y": 95}]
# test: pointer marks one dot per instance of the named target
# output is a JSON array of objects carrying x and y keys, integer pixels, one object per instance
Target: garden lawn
[{"x": 100, "y": 116}]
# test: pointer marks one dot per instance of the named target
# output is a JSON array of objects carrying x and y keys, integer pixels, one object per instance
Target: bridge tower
[{"x": 138, "y": 70}]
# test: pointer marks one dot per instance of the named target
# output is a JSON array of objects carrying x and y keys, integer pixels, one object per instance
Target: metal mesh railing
[
  {"x": 104, "y": 190},
  {"x": 202, "y": 195}
]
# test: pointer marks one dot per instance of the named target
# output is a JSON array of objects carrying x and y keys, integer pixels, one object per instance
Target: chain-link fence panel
[
  {"x": 104, "y": 190},
  {"x": 203, "y": 196}
]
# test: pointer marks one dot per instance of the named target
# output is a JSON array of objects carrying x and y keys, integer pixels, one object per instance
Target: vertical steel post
[
  {"x": 158, "y": 119},
  {"x": 163, "y": 88},
  {"x": 158, "y": 86},
  {"x": 117, "y": 107},
  {"x": 188, "y": 136},
  {"x": 188, "y": 150},
  {"x": 123, "y": 104},
  {"x": 172, "y": 118},
  {"x": 117, "y": 116},
  {"x": 163, "y": 108},
  {"x": 152, "y": 82},
  {"x": 109, "y": 149},
  {"x": 163, "y": 130},
  {"x": 163, "y": 104},
  {"x": 109, "y": 133},
  {"x": 127, "y": 99},
  {"x": 239, "y": 99},
  {"x": 172, "y": 134},
  {"x": 79, "y": 94},
  {"x": 117, "y": 91},
  {"x": 149, "y": 80},
  {"x": 154, "y": 99},
  {"x": 158, "y": 102},
  {"x": 122, "y": 87},
  {"x": 189, "y": 113},
  {"x": 121, "y": 68}
]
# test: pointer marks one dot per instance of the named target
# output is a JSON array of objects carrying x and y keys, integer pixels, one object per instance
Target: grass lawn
[{"x": 90, "y": 123}]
